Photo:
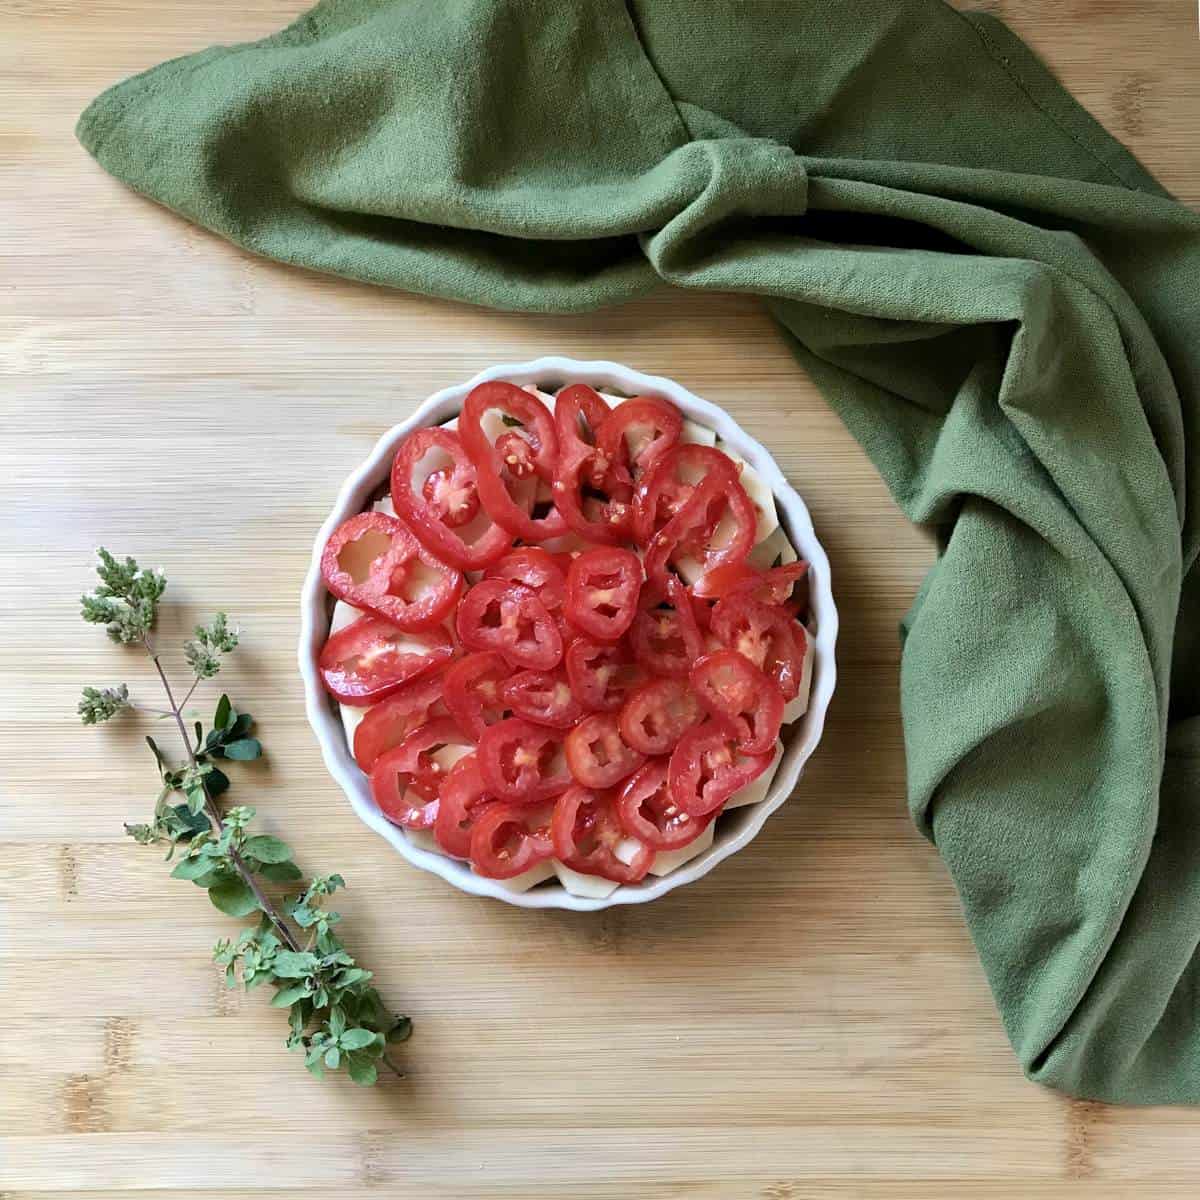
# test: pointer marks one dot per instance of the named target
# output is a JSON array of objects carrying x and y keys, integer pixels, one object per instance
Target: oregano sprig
[{"x": 335, "y": 1014}]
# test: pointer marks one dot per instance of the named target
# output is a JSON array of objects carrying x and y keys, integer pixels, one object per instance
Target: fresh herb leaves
[{"x": 336, "y": 1017}]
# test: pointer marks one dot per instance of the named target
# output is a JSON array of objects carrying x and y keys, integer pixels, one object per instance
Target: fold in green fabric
[{"x": 1002, "y": 305}]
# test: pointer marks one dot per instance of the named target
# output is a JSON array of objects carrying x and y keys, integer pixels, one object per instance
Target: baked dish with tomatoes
[{"x": 568, "y": 639}]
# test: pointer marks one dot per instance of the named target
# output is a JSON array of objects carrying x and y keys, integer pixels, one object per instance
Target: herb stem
[
  {"x": 195, "y": 685},
  {"x": 239, "y": 864},
  {"x": 210, "y": 809}
]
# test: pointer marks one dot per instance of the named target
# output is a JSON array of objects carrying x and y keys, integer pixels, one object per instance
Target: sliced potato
[
  {"x": 579, "y": 884},
  {"x": 667, "y": 860},
  {"x": 756, "y": 789}
]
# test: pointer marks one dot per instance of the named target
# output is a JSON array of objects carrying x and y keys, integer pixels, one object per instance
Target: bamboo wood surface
[{"x": 808, "y": 1021}]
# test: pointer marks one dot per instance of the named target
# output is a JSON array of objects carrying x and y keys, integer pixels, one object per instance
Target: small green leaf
[
  {"x": 191, "y": 868},
  {"x": 240, "y": 726},
  {"x": 283, "y": 872},
  {"x": 511, "y": 422},
  {"x": 221, "y": 717},
  {"x": 158, "y": 755},
  {"x": 333, "y": 1056},
  {"x": 401, "y": 1031},
  {"x": 337, "y": 1023},
  {"x": 361, "y": 1069},
  {"x": 267, "y": 849},
  {"x": 218, "y": 783},
  {"x": 356, "y": 1039},
  {"x": 288, "y": 996},
  {"x": 244, "y": 749},
  {"x": 233, "y": 897},
  {"x": 313, "y": 1067},
  {"x": 194, "y": 823},
  {"x": 291, "y": 964}
]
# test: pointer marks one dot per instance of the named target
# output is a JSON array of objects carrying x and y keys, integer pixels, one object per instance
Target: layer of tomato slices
[{"x": 526, "y": 701}]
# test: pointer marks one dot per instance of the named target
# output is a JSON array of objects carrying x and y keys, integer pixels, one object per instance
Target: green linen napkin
[{"x": 998, "y": 300}]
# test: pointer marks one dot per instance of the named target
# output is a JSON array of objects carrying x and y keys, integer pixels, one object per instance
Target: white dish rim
[{"x": 735, "y": 831}]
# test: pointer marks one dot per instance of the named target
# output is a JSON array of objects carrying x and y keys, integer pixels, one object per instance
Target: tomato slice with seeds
[
  {"x": 636, "y": 434},
  {"x": 537, "y": 569},
  {"x": 509, "y": 839},
  {"x": 648, "y": 812},
  {"x": 587, "y": 837},
  {"x": 388, "y": 723},
  {"x": 772, "y": 586},
  {"x": 512, "y": 511},
  {"x": 435, "y": 489},
  {"x": 601, "y": 676},
  {"x": 736, "y": 692},
  {"x": 666, "y": 640},
  {"x": 655, "y": 717},
  {"x": 594, "y": 504},
  {"x": 372, "y": 561},
  {"x": 461, "y": 798},
  {"x": 665, "y": 489},
  {"x": 597, "y": 754},
  {"x": 716, "y": 527},
  {"x": 543, "y": 697},
  {"x": 510, "y": 619},
  {"x": 370, "y": 659},
  {"x": 765, "y": 635},
  {"x": 471, "y": 687},
  {"x": 708, "y": 766},
  {"x": 405, "y": 781},
  {"x": 522, "y": 762},
  {"x": 602, "y": 592}
]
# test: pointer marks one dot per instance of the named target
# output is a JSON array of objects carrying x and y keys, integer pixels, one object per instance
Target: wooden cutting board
[{"x": 809, "y": 1021}]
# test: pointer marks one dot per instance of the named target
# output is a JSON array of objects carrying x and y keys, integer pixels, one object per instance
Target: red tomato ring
[
  {"x": 488, "y": 460},
  {"x": 433, "y": 520}
]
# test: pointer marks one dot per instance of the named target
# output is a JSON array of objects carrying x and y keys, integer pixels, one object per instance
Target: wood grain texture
[{"x": 809, "y": 1021}]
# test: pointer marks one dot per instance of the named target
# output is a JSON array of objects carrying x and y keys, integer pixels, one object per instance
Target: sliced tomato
[
  {"x": 388, "y": 723},
  {"x": 664, "y": 490},
  {"x": 597, "y": 754},
  {"x": 461, "y": 797},
  {"x": 593, "y": 503},
  {"x": 708, "y": 766},
  {"x": 405, "y": 781},
  {"x": 772, "y": 586},
  {"x": 522, "y": 762},
  {"x": 510, "y": 619},
  {"x": 666, "y": 640},
  {"x": 601, "y": 676},
  {"x": 587, "y": 835},
  {"x": 648, "y": 812},
  {"x": 716, "y": 527},
  {"x": 603, "y": 585},
  {"x": 735, "y": 691},
  {"x": 537, "y": 569},
  {"x": 471, "y": 687},
  {"x": 370, "y": 659},
  {"x": 512, "y": 509},
  {"x": 636, "y": 434},
  {"x": 655, "y": 717},
  {"x": 509, "y": 839},
  {"x": 765, "y": 635},
  {"x": 543, "y": 697},
  {"x": 372, "y": 561},
  {"x": 438, "y": 501}
]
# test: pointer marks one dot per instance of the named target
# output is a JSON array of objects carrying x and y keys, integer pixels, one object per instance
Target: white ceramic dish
[{"x": 735, "y": 829}]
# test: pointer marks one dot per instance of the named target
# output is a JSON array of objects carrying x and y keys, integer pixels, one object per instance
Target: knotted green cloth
[{"x": 1003, "y": 306}]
